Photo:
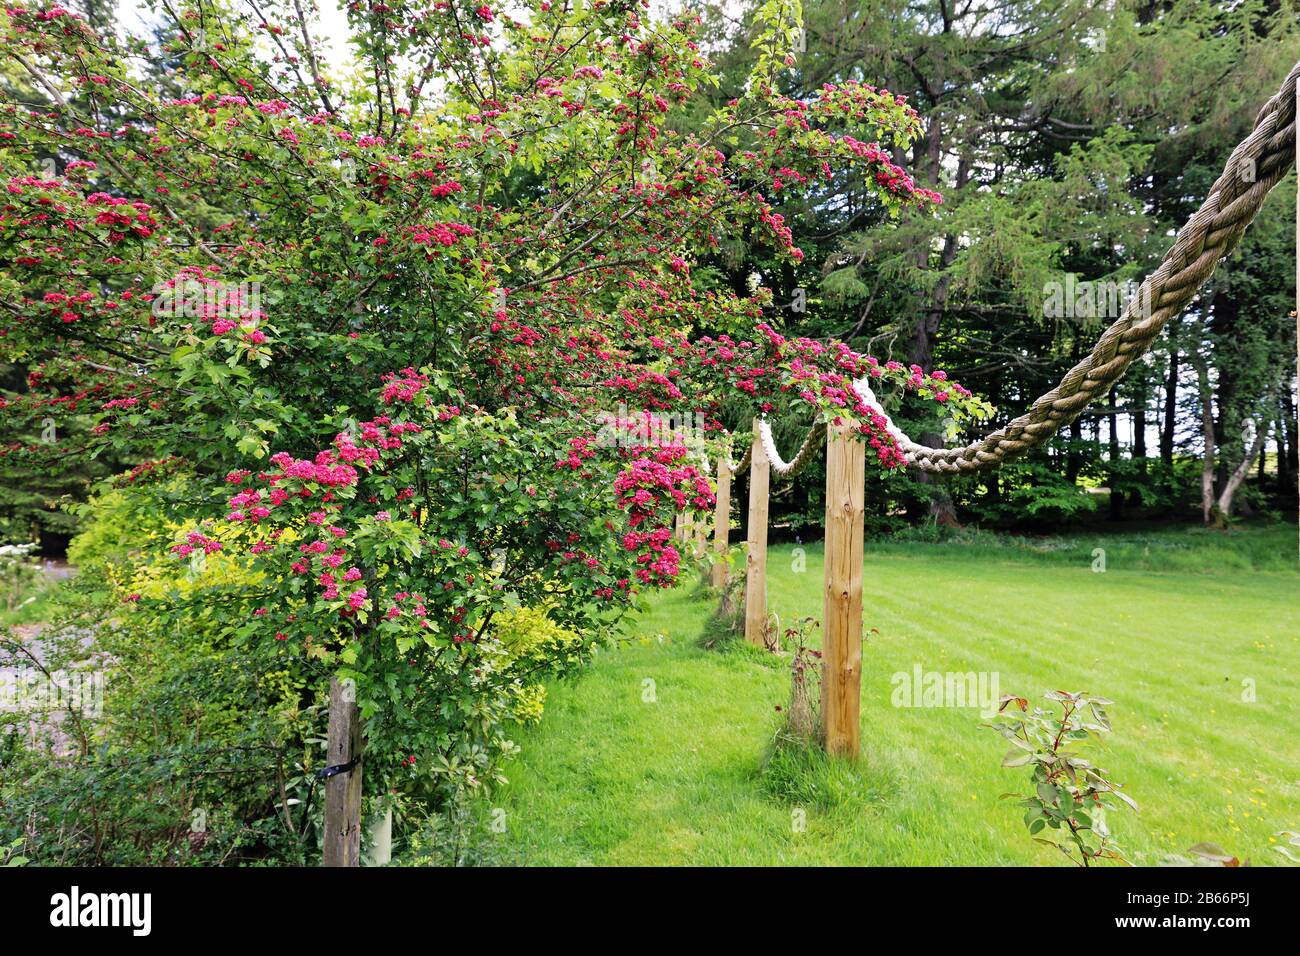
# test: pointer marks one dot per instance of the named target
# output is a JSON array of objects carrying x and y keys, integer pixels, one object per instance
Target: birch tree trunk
[{"x": 1234, "y": 481}]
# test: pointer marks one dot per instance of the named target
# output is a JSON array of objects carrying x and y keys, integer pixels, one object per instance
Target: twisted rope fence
[
  {"x": 805, "y": 454},
  {"x": 1258, "y": 163},
  {"x": 1213, "y": 232}
]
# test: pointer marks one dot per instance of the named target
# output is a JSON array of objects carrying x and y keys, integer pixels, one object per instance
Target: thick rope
[
  {"x": 1209, "y": 236},
  {"x": 807, "y": 451}
]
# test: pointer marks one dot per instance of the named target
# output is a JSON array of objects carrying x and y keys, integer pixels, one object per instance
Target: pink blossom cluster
[
  {"x": 323, "y": 470},
  {"x": 652, "y": 489},
  {"x": 195, "y": 541},
  {"x": 402, "y": 386},
  {"x": 323, "y": 556},
  {"x": 134, "y": 219},
  {"x": 439, "y": 233}
]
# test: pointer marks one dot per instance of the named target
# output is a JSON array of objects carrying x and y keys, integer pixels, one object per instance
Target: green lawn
[{"x": 609, "y": 778}]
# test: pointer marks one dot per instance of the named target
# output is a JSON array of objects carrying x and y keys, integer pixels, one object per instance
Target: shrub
[
  {"x": 1069, "y": 794},
  {"x": 802, "y": 721},
  {"x": 199, "y": 756},
  {"x": 201, "y": 726},
  {"x": 117, "y": 522},
  {"x": 1032, "y": 493}
]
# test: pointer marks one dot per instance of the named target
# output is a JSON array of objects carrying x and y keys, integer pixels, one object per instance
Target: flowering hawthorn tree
[{"x": 375, "y": 321}]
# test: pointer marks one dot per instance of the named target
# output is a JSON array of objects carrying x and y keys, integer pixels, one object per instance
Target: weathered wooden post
[
  {"x": 679, "y": 528},
  {"x": 842, "y": 617},
  {"x": 756, "y": 549},
  {"x": 342, "y": 838},
  {"x": 722, "y": 520}
]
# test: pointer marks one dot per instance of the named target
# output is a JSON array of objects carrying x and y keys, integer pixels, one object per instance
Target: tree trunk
[
  {"x": 1140, "y": 427},
  {"x": 1225, "y": 321},
  {"x": 927, "y": 161},
  {"x": 1207, "y": 431},
  {"x": 1171, "y": 405},
  {"x": 1116, "y": 495},
  {"x": 1074, "y": 460},
  {"x": 1224, "y": 505}
]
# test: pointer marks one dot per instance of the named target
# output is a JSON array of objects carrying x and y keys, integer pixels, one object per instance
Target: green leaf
[{"x": 1016, "y": 758}]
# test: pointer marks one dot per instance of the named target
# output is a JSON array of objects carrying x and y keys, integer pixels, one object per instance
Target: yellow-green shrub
[
  {"x": 528, "y": 634},
  {"x": 529, "y": 631}
]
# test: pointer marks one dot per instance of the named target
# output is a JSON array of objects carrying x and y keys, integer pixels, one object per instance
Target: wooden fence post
[
  {"x": 722, "y": 520},
  {"x": 342, "y": 838},
  {"x": 756, "y": 551},
  {"x": 842, "y": 647}
]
